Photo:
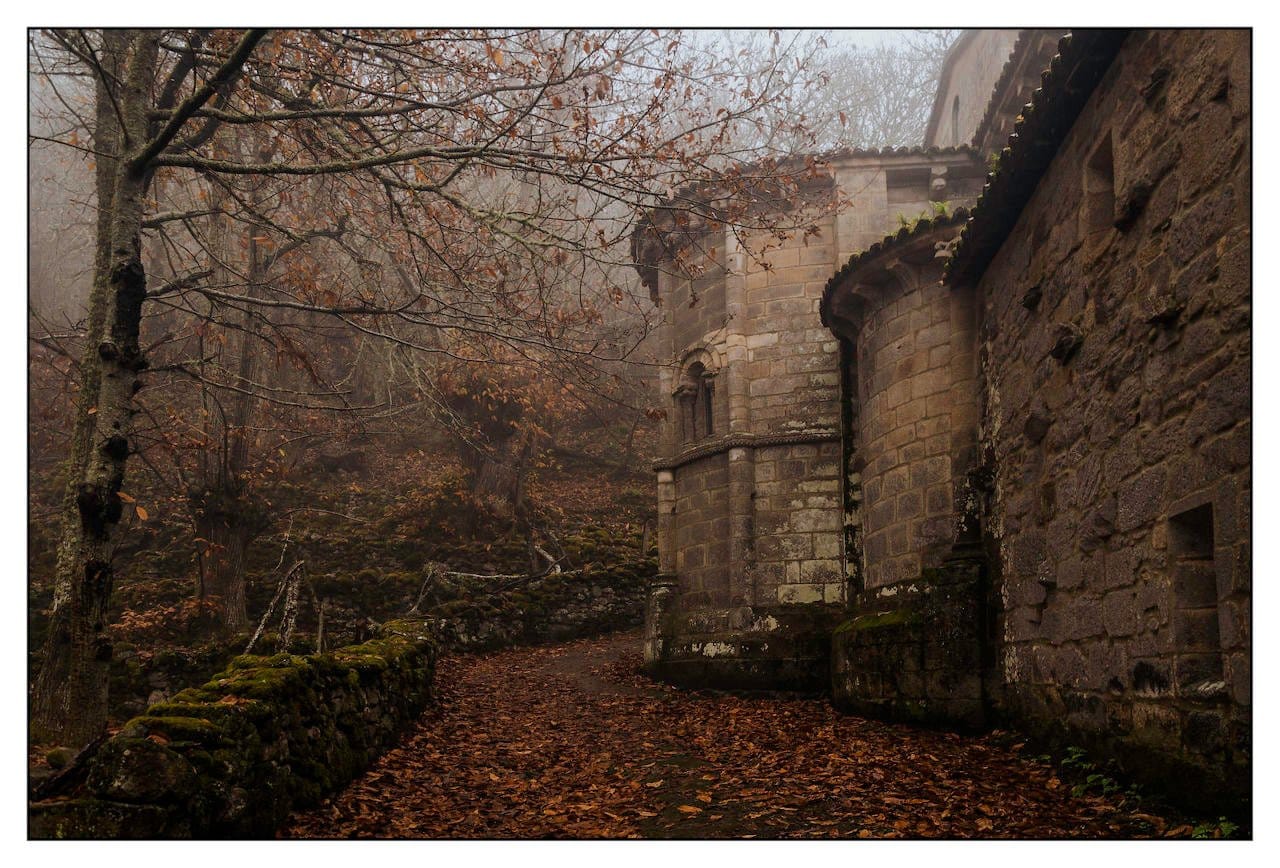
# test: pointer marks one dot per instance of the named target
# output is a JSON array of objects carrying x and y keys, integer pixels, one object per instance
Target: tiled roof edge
[
  {"x": 906, "y": 233},
  {"x": 903, "y": 151},
  {"x": 1082, "y": 60}
]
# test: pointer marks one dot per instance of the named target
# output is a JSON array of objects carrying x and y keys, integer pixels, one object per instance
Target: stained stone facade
[
  {"x": 751, "y": 505},
  {"x": 997, "y": 469}
]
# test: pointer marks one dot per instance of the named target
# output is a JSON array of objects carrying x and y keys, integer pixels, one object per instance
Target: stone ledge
[
  {"x": 738, "y": 441},
  {"x": 773, "y": 648}
]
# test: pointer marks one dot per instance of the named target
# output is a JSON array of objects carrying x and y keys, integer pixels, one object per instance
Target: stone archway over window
[{"x": 695, "y": 398}]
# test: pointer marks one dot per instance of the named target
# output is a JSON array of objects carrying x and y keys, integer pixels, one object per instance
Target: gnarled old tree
[{"x": 470, "y": 196}]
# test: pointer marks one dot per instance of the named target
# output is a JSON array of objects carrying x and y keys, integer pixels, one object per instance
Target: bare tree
[
  {"x": 874, "y": 96},
  {"x": 463, "y": 182}
]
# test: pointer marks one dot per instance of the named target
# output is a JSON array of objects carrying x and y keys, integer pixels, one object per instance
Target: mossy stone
[{"x": 59, "y": 757}]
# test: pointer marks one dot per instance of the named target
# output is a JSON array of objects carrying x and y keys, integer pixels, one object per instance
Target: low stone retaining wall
[
  {"x": 774, "y": 648},
  {"x": 913, "y": 652},
  {"x": 232, "y": 758},
  {"x": 554, "y": 608}
]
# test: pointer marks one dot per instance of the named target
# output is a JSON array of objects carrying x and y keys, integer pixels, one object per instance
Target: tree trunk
[
  {"x": 233, "y": 523},
  {"x": 224, "y": 580},
  {"x": 498, "y": 476},
  {"x": 69, "y": 703}
]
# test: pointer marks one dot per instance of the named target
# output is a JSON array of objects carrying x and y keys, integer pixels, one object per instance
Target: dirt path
[{"x": 569, "y": 741}]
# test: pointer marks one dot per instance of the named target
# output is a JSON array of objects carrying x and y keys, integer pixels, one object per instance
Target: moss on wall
[
  {"x": 233, "y": 757},
  {"x": 551, "y": 609},
  {"x": 270, "y": 734}
]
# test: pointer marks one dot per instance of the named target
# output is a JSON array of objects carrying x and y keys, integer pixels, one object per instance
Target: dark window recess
[
  {"x": 1100, "y": 189},
  {"x": 1195, "y": 603},
  {"x": 708, "y": 391},
  {"x": 694, "y": 402},
  {"x": 955, "y": 120}
]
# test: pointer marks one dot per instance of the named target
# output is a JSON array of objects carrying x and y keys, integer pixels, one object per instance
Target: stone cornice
[{"x": 738, "y": 441}]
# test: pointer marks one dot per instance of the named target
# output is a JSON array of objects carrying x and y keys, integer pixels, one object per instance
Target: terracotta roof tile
[
  {"x": 920, "y": 227},
  {"x": 904, "y": 151},
  {"x": 1083, "y": 58}
]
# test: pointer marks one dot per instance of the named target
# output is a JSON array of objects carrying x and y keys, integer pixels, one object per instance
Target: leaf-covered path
[{"x": 568, "y": 741}]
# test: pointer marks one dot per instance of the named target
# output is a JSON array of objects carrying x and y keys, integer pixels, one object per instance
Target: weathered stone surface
[
  {"x": 914, "y": 651},
  {"x": 233, "y": 757},
  {"x": 1151, "y": 422},
  {"x": 1103, "y": 357}
]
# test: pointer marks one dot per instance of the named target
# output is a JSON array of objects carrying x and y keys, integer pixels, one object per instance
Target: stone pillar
[
  {"x": 658, "y": 604},
  {"x": 669, "y": 430},
  {"x": 737, "y": 389},
  {"x": 742, "y": 480},
  {"x": 666, "y": 522}
]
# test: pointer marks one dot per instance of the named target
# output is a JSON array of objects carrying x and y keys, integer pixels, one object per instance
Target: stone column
[
  {"x": 666, "y": 523},
  {"x": 741, "y": 459},
  {"x": 742, "y": 481},
  {"x": 735, "y": 345}
]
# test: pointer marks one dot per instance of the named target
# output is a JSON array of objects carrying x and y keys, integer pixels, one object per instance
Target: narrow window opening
[
  {"x": 1195, "y": 603},
  {"x": 694, "y": 400},
  {"x": 708, "y": 392},
  {"x": 1100, "y": 189},
  {"x": 955, "y": 120}
]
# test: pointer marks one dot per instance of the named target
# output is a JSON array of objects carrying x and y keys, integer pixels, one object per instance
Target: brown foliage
[{"x": 570, "y": 742}]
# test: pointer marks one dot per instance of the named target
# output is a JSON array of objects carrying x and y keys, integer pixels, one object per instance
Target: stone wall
[
  {"x": 797, "y": 524},
  {"x": 271, "y": 734},
  {"x": 792, "y": 381},
  {"x": 916, "y": 381},
  {"x": 764, "y": 647},
  {"x": 232, "y": 758},
  {"x": 915, "y": 651},
  {"x": 702, "y": 536},
  {"x": 791, "y": 370},
  {"x": 751, "y": 512},
  {"x": 553, "y": 608},
  {"x": 1116, "y": 360}
]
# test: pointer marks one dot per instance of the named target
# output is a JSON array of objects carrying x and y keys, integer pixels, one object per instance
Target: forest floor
[{"x": 572, "y": 741}]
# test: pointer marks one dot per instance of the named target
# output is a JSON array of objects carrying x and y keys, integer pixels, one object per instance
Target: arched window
[
  {"x": 695, "y": 400},
  {"x": 955, "y": 120}
]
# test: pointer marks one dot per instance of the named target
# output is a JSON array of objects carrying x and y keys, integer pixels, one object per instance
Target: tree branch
[{"x": 193, "y": 103}]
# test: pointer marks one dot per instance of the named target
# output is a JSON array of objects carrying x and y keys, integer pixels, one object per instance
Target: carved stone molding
[{"x": 735, "y": 441}]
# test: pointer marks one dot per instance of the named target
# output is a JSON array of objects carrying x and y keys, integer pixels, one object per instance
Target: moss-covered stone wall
[
  {"x": 270, "y": 734},
  {"x": 233, "y": 757},
  {"x": 553, "y": 608},
  {"x": 915, "y": 651}
]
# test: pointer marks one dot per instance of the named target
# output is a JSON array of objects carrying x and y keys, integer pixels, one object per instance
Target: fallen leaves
[{"x": 570, "y": 741}]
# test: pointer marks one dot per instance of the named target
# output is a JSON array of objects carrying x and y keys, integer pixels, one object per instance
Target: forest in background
[{"x": 359, "y": 308}]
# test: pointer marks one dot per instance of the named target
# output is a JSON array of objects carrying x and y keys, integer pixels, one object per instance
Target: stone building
[{"x": 997, "y": 468}]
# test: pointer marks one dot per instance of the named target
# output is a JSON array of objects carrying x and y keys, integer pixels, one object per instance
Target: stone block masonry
[
  {"x": 1115, "y": 347},
  {"x": 750, "y": 491},
  {"x": 1067, "y": 399},
  {"x": 914, "y": 651},
  {"x": 232, "y": 758},
  {"x": 1074, "y": 399}
]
